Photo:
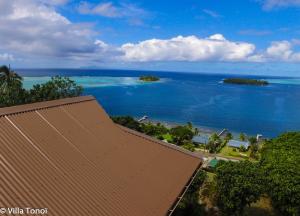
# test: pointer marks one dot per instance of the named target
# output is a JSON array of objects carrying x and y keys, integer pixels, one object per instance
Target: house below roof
[
  {"x": 69, "y": 157},
  {"x": 238, "y": 144},
  {"x": 201, "y": 139}
]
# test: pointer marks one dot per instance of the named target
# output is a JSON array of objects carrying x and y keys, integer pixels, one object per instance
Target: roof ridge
[
  {"x": 151, "y": 139},
  {"x": 43, "y": 105}
]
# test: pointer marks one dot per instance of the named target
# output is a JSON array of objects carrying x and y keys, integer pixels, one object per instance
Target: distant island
[
  {"x": 245, "y": 81},
  {"x": 149, "y": 78}
]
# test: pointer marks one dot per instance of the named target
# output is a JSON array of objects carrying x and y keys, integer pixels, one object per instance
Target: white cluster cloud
[
  {"x": 31, "y": 27},
  {"x": 190, "y": 48},
  {"x": 270, "y": 4},
  {"x": 214, "y": 48},
  {"x": 282, "y": 51}
]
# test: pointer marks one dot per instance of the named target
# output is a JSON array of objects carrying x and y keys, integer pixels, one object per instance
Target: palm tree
[
  {"x": 242, "y": 137},
  {"x": 11, "y": 91},
  {"x": 9, "y": 79}
]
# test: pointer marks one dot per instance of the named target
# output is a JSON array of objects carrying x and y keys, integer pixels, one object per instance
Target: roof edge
[
  {"x": 185, "y": 189},
  {"x": 43, "y": 105},
  {"x": 167, "y": 145}
]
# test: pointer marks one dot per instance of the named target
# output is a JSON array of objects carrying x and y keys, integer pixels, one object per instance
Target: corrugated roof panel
[
  {"x": 237, "y": 144},
  {"x": 71, "y": 158},
  {"x": 201, "y": 139},
  {"x": 145, "y": 151},
  {"x": 29, "y": 172},
  {"x": 77, "y": 169}
]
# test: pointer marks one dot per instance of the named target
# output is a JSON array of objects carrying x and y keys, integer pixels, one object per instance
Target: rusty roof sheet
[{"x": 68, "y": 156}]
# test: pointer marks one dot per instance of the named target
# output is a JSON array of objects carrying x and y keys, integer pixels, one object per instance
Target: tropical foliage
[
  {"x": 243, "y": 81},
  {"x": 154, "y": 129},
  {"x": 127, "y": 121},
  {"x": 238, "y": 184},
  {"x": 242, "y": 137},
  {"x": 189, "y": 205},
  {"x": 58, "y": 87},
  {"x": 277, "y": 175},
  {"x": 149, "y": 78},
  {"x": 182, "y": 134},
  {"x": 12, "y": 91},
  {"x": 281, "y": 166},
  {"x": 179, "y": 135},
  {"x": 214, "y": 144}
]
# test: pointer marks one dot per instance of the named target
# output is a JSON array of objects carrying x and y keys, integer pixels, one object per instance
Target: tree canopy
[
  {"x": 280, "y": 162},
  {"x": 238, "y": 184},
  {"x": 214, "y": 143},
  {"x": 182, "y": 134},
  {"x": 127, "y": 121},
  {"x": 12, "y": 91},
  {"x": 58, "y": 87},
  {"x": 189, "y": 205}
]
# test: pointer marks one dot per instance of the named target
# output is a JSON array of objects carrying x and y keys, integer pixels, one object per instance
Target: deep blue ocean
[{"x": 182, "y": 97}]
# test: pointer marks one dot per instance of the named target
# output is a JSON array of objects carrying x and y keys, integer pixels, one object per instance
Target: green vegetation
[
  {"x": 57, "y": 88},
  {"x": 228, "y": 151},
  {"x": 267, "y": 187},
  {"x": 127, "y": 121},
  {"x": 12, "y": 91},
  {"x": 228, "y": 136},
  {"x": 244, "y": 81},
  {"x": 179, "y": 135},
  {"x": 243, "y": 137},
  {"x": 237, "y": 186},
  {"x": 214, "y": 143},
  {"x": 189, "y": 205},
  {"x": 168, "y": 137},
  {"x": 254, "y": 148},
  {"x": 149, "y": 78},
  {"x": 155, "y": 130},
  {"x": 280, "y": 162},
  {"x": 218, "y": 145}
]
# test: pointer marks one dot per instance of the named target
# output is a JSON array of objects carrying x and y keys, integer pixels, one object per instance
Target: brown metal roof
[{"x": 68, "y": 156}]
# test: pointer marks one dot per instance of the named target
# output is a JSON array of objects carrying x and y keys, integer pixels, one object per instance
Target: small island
[
  {"x": 245, "y": 81},
  {"x": 149, "y": 78}
]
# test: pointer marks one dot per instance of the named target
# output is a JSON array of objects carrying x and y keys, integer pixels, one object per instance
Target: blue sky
[
  {"x": 230, "y": 36},
  {"x": 238, "y": 20}
]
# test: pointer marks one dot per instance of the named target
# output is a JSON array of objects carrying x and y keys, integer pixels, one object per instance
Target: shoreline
[{"x": 203, "y": 130}]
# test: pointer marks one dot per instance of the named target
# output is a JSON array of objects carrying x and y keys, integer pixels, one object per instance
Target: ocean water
[
  {"x": 199, "y": 98},
  {"x": 92, "y": 81}
]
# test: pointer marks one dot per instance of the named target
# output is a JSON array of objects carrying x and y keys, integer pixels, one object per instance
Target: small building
[
  {"x": 201, "y": 139},
  {"x": 238, "y": 144},
  {"x": 213, "y": 163}
]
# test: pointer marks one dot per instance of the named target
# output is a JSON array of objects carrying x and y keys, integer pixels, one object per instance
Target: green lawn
[
  {"x": 228, "y": 151},
  {"x": 168, "y": 137}
]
